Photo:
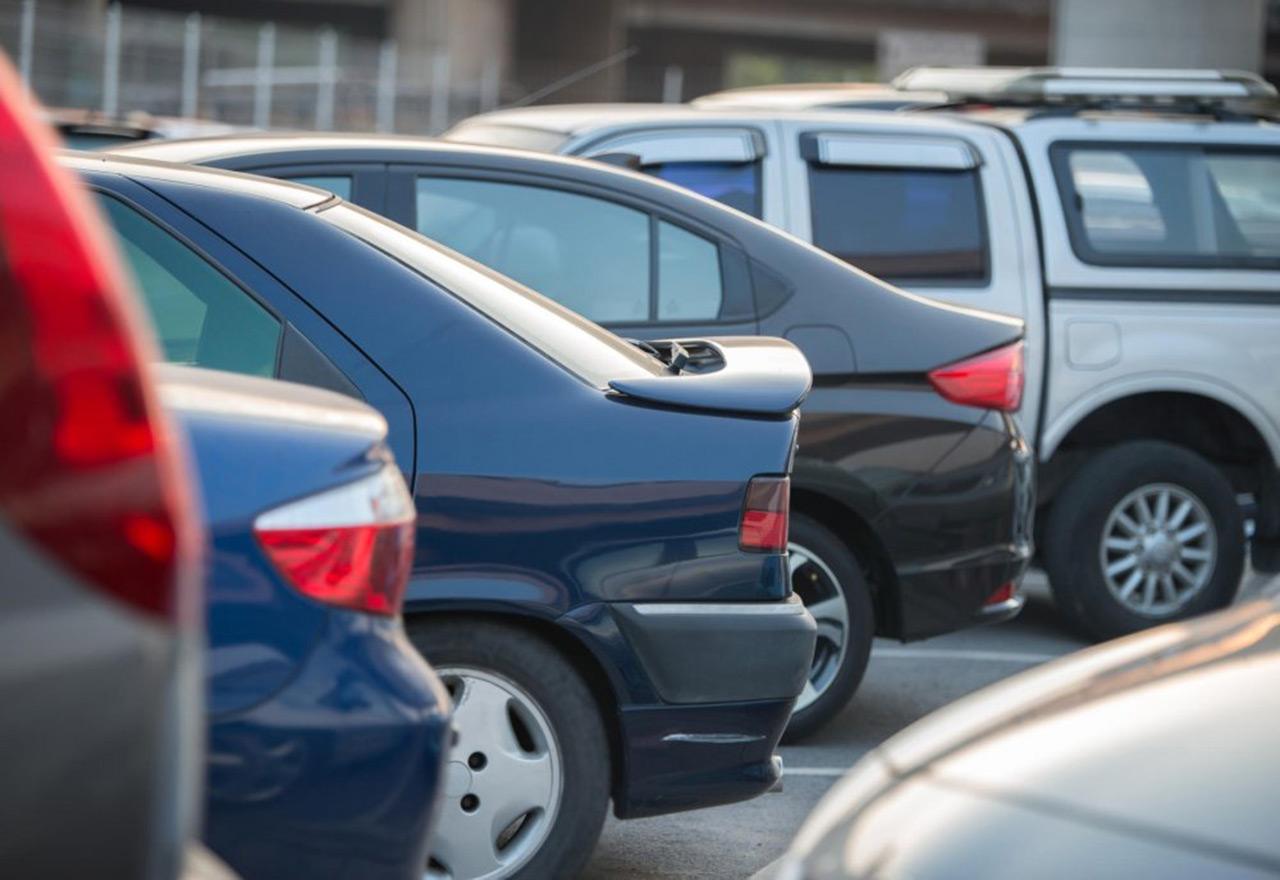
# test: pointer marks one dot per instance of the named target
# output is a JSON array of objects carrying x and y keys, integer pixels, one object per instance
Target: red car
[{"x": 100, "y": 635}]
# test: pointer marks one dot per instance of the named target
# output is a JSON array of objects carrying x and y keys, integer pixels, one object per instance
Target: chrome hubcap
[
  {"x": 502, "y": 784},
  {"x": 1159, "y": 548},
  {"x": 816, "y": 585}
]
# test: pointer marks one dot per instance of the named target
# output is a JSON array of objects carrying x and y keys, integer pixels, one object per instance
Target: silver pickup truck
[{"x": 1130, "y": 218}]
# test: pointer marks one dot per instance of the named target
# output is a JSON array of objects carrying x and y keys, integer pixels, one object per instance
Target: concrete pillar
[
  {"x": 555, "y": 41},
  {"x": 1160, "y": 33},
  {"x": 476, "y": 33}
]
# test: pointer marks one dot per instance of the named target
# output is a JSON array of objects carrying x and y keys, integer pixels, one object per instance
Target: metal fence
[{"x": 266, "y": 75}]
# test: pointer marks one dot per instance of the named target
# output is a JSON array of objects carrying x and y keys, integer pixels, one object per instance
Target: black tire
[
  {"x": 573, "y": 713},
  {"x": 1074, "y": 534},
  {"x": 817, "y": 539}
]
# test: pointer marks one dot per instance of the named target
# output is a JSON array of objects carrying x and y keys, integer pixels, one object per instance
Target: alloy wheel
[
  {"x": 1159, "y": 548},
  {"x": 503, "y": 781},
  {"x": 818, "y": 587}
]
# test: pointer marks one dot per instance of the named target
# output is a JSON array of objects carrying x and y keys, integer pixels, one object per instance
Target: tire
[
  {"x": 1088, "y": 512},
  {"x": 484, "y": 663},
  {"x": 821, "y": 566}
]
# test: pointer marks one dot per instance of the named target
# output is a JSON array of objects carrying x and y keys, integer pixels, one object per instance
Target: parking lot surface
[{"x": 903, "y": 684}]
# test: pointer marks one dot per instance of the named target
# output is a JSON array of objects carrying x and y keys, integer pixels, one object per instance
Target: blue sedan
[
  {"x": 602, "y": 526},
  {"x": 326, "y": 730}
]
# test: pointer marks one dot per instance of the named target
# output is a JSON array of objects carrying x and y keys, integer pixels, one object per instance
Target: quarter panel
[{"x": 1224, "y": 351}]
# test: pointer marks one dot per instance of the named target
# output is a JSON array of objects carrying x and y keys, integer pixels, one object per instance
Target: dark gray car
[{"x": 1153, "y": 756}]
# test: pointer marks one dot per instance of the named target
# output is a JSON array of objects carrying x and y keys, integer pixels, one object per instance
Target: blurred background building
[{"x": 417, "y": 65}]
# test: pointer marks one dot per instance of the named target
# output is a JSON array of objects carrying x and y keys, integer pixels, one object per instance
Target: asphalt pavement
[{"x": 903, "y": 684}]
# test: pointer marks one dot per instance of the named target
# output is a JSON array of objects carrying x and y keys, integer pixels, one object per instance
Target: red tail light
[
  {"x": 1005, "y": 593},
  {"x": 351, "y": 547},
  {"x": 992, "y": 380},
  {"x": 766, "y": 515},
  {"x": 88, "y": 471}
]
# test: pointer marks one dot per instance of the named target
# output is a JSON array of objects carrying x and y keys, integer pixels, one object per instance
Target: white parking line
[
  {"x": 814, "y": 771},
  {"x": 962, "y": 654}
]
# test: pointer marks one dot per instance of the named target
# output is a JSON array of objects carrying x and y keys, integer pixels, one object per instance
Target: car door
[
  {"x": 637, "y": 268},
  {"x": 212, "y": 307},
  {"x": 931, "y": 211}
]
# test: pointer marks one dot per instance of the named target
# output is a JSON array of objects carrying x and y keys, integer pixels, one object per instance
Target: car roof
[
  {"x": 574, "y": 120},
  {"x": 292, "y": 194},
  {"x": 804, "y": 96},
  {"x": 357, "y": 147},
  {"x": 579, "y": 119}
]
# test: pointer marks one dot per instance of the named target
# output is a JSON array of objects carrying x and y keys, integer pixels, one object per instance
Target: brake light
[
  {"x": 89, "y": 472},
  {"x": 992, "y": 380},
  {"x": 351, "y": 547},
  {"x": 766, "y": 515},
  {"x": 1003, "y": 594}
]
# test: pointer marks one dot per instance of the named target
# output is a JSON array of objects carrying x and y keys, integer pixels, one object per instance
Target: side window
[
  {"x": 1187, "y": 206},
  {"x": 338, "y": 184},
  {"x": 588, "y": 254},
  {"x": 901, "y": 224},
  {"x": 201, "y": 317},
  {"x": 690, "y": 287},
  {"x": 736, "y": 184}
]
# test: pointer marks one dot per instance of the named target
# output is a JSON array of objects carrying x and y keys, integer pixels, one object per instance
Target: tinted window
[
  {"x": 736, "y": 184},
  {"x": 1175, "y": 206},
  {"x": 901, "y": 223},
  {"x": 689, "y": 282},
  {"x": 338, "y": 184},
  {"x": 589, "y": 254},
  {"x": 201, "y": 317}
]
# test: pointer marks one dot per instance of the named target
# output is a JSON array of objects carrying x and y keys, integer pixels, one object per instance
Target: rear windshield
[
  {"x": 490, "y": 135},
  {"x": 585, "y": 349}
]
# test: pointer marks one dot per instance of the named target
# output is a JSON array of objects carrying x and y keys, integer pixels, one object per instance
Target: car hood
[{"x": 1165, "y": 735}]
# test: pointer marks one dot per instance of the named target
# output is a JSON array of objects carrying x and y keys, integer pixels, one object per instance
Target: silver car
[{"x": 1020, "y": 780}]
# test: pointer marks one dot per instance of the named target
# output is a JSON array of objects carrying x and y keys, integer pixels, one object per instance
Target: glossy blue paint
[
  {"x": 540, "y": 493},
  {"x": 326, "y": 729}
]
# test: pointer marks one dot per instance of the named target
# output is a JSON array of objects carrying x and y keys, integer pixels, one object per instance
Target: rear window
[
  {"x": 1170, "y": 205},
  {"x": 736, "y": 184},
  {"x": 901, "y": 224},
  {"x": 585, "y": 349}
]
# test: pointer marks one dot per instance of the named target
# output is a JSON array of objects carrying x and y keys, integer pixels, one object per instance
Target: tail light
[
  {"x": 992, "y": 380},
  {"x": 89, "y": 471},
  {"x": 1003, "y": 594},
  {"x": 351, "y": 547},
  {"x": 766, "y": 515}
]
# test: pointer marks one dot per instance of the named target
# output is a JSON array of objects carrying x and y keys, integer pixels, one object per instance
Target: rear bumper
[
  {"x": 961, "y": 533},
  {"x": 687, "y": 757},
  {"x": 337, "y": 774},
  {"x": 725, "y": 676},
  {"x": 712, "y": 652}
]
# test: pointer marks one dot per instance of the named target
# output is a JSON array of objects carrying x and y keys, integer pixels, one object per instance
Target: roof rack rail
[{"x": 1112, "y": 86}]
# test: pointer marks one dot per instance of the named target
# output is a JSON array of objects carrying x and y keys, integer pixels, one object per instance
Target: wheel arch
[
  {"x": 854, "y": 530},
  {"x": 569, "y": 646},
  {"x": 1068, "y": 422},
  {"x": 1221, "y": 426}
]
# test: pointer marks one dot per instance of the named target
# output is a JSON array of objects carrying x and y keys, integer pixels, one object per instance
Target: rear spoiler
[{"x": 759, "y": 375}]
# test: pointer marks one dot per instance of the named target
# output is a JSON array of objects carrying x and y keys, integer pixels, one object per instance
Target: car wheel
[
  {"x": 828, "y": 579},
  {"x": 1145, "y": 533},
  {"x": 526, "y": 783}
]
